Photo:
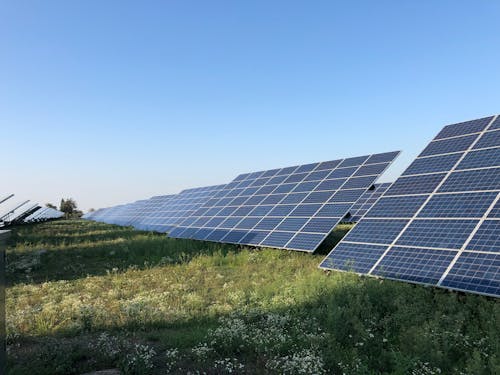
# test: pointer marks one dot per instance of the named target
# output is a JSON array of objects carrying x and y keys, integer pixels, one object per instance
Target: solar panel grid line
[
  {"x": 461, "y": 170},
  {"x": 415, "y": 247},
  {"x": 441, "y": 183},
  {"x": 469, "y": 239},
  {"x": 438, "y": 193}
]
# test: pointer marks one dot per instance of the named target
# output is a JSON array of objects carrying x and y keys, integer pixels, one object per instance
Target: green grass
[{"x": 85, "y": 296}]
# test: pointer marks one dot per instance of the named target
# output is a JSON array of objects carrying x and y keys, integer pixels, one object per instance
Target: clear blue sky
[{"x": 113, "y": 101}]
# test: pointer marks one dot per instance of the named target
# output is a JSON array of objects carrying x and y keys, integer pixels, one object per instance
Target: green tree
[{"x": 69, "y": 207}]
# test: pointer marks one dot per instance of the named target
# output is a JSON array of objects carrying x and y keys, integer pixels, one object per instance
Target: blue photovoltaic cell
[
  {"x": 318, "y": 197},
  {"x": 217, "y": 235},
  {"x": 273, "y": 197},
  {"x": 292, "y": 224},
  {"x": 386, "y": 157},
  {"x": 376, "y": 231},
  {"x": 495, "y": 125},
  {"x": 277, "y": 239},
  {"x": 486, "y": 238},
  {"x": 332, "y": 164},
  {"x": 331, "y": 184},
  {"x": 358, "y": 160},
  {"x": 254, "y": 237},
  {"x": 495, "y": 212},
  {"x": 358, "y": 183},
  {"x": 447, "y": 146},
  {"x": 490, "y": 139},
  {"x": 370, "y": 170},
  {"x": 475, "y": 272},
  {"x": 462, "y": 128},
  {"x": 334, "y": 210},
  {"x": 294, "y": 198},
  {"x": 306, "y": 241},
  {"x": 202, "y": 233},
  {"x": 235, "y": 236},
  {"x": 458, "y": 205},
  {"x": 307, "y": 210},
  {"x": 417, "y": 265},
  {"x": 347, "y": 196},
  {"x": 282, "y": 210},
  {"x": 354, "y": 257},
  {"x": 320, "y": 225},
  {"x": 269, "y": 223},
  {"x": 405, "y": 206},
  {"x": 481, "y": 159},
  {"x": 444, "y": 195},
  {"x": 248, "y": 223},
  {"x": 449, "y": 234},
  {"x": 481, "y": 179},
  {"x": 433, "y": 164},
  {"x": 415, "y": 184}
]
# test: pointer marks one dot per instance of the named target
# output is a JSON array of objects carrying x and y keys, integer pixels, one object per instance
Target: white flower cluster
[
  {"x": 306, "y": 361},
  {"x": 171, "y": 359},
  {"x": 202, "y": 351},
  {"x": 140, "y": 359},
  {"x": 109, "y": 345},
  {"x": 228, "y": 365},
  {"x": 424, "y": 368},
  {"x": 276, "y": 337}
]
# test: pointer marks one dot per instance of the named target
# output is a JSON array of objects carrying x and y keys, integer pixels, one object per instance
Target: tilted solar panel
[
  {"x": 145, "y": 214},
  {"x": 178, "y": 207},
  {"x": 439, "y": 223},
  {"x": 366, "y": 201},
  {"x": 291, "y": 208}
]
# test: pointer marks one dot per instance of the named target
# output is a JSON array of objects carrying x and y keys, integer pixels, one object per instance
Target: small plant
[{"x": 139, "y": 361}]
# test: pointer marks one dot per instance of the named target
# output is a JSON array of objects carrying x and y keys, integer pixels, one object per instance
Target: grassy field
[{"x": 84, "y": 296}]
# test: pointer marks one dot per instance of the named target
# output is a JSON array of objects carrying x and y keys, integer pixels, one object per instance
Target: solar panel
[
  {"x": 291, "y": 208},
  {"x": 6, "y": 198},
  {"x": 20, "y": 214},
  {"x": 43, "y": 214},
  {"x": 439, "y": 223},
  {"x": 146, "y": 214},
  {"x": 178, "y": 207},
  {"x": 366, "y": 201},
  {"x": 8, "y": 214}
]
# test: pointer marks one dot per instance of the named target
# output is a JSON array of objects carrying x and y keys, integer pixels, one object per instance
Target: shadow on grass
[
  {"x": 69, "y": 262},
  {"x": 383, "y": 327},
  {"x": 66, "y": 251}
]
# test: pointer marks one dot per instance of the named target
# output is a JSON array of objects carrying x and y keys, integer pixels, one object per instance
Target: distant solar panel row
[
  {"x": 292, "y": 208},
  {"x": 266, "y": 208},
  {"x": 439, "y": 223},
  {"x": 24, "y": 212}
]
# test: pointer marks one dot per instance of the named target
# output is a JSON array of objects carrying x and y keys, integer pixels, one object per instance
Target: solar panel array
[
  {"x": 43, "y": 214},
  {"x": 160, "y": 213},
  {"x": 181, "y": 206},
  {"x": 5, "y": 198},
  {"x": 24, "y": 212},
  {"x": 366, "y": 201},
  {"x": 148, "y": 215},
  {"x": 292, "y": 208},
  {"x": 439, "y": 223}
]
